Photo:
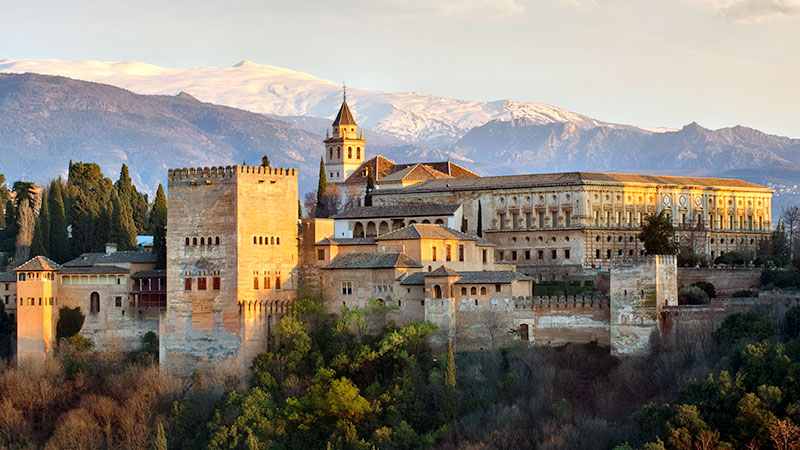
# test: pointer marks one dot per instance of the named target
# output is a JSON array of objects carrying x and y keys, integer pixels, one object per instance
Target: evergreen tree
[
  {"x": 322, "y": 186},
  {"x": 370, "y": 187},
  {"x": 658, "y": 235},
  {"x": 59, "y": 237},
  {"x": 88, "y": 193},
  {"x": 137, "y": 202},
  {"x": 480, "y": 219},
  {"x": 265, "y": 161},
  {"x": 158, "y": 226},
  {"x": 37, "y": 247},
  {"x": 44, "y": 219},
  {"x": 450, "y": 369},
  {"x": 299, "y": 210},
  {"x": 122, "y": 230},
  {"x": 10, "y": 229},
  {"x": 5, "y": 196}
]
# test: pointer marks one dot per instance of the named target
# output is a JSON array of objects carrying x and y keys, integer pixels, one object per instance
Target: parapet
[
  {"x": 225, "y": 173},
  {"x": 649, "y": 260}
]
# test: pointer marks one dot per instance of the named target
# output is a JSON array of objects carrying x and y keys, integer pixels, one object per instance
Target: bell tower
[{"x": 344, "y": 150}]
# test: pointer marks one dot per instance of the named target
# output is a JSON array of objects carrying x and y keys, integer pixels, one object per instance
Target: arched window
[
  {"x": 338, "y": 152},
  {"x": 272, "y": 240},
  {"x": 216, "y": 241},
  {"x": 202, "y": 241},
  {"x": 331, "y": 153},
  {"x": 255, "y": 240},
  {"x": 463, "y": 291},
  {"x": 473, "y": 290},
  {"x": 483, "y": 290},
  {"x": 194, "y": 241},
  {"x": 277, "y": 282},
  {"x": 437, "y": 291},
  {"x": 358, "y": 230},
  {"x": 261, "y": 240},
  {"x": 209, "y": 240},
  {"x": 187, "y": 241},
  {"x": 358, "y": 152},
  {"x": 266, "y": 283},
  {"x": 349, "y": 152},
  {"x": 277, "y": 241},
  {"x": 94, "y": 302},
  {"x": 255, "y": 282}
]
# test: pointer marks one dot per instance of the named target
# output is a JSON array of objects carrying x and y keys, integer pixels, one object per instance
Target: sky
[{"x": 651, "y": 63}]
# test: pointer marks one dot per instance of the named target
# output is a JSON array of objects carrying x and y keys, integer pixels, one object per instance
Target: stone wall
[{"x": 725, "y": 281}]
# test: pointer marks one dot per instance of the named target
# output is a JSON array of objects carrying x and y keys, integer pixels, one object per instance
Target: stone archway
[
  {"x": 358, "y": 230},
  {"x": 439, "y": 222},
  {"x": 383, "y": 228},
  {"x": 437, "y": 291},
  {"x": 371, "y": 231}
]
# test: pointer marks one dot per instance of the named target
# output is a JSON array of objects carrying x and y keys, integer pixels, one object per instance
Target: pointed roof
[
  {"x": 426, "y": 231},
  {"x": 442, "y": 271},
  {"x": 345, "y": 117},
  {"x": 417, "y": 172},
  {"x": 38, "y": 263}
]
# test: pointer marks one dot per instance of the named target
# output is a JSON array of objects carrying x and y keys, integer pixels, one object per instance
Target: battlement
[
  {"x": 225, "y": 173},
  {"x": 562, "y": 302},
  {"x": 651, "y": 260}
]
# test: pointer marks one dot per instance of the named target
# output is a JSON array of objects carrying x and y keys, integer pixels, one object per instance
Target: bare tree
[
  {"x": 791, "y": 222},
  {"x": 491, "y": 321}
]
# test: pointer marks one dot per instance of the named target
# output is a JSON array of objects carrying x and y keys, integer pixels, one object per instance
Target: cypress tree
[
  {"x": 322, "y": 186},
  {"x": 158, "y": 226},
  {"x": 450, "y": 374},
  {"x": 480, "y": 219},
  {"x": 59, "y": 237},
  {"x": 370, "y": 187},
  {"x": 37, "y": 247},
  {"x": 44, "y": 220},
  {"x": 265, "y": 161},
  {"x": 5, "y": 196},
  {"x": 122, "y": 230}
]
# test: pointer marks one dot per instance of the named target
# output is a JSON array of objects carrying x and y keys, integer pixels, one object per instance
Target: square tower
[
  {"x": 232, "y": 251},
  {"x": 344, "y": 151},
  {"x": 37, "y": 311}
]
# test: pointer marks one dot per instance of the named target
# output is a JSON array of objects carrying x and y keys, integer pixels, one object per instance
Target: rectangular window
[
  {"x": 597, "y": 218},
  {"x": 320, "y": 255},
  {"x": 347, "y": 288},
  {"x": 528, "y": 223},
  {"x": 255, "y": 282},
  {"x": 118, "y": 302},
  {"x": 433, "y": 253},
  {"x": 484, "y": 256},
  {"x": 540, "y": 254},
  {"x": 540, "y": 214},
  {"x": 619, "y": 252},
  {"x": 619, "y": 218},
  {"x": 187, "y": 284},
  {"x": 566, "y": 254},
  {"x": 215, "y": 283},
  {"x": 133, "y": 300},
  {"x": 630, "y": 219},
  {"x": 554, "y": 254},
  {"x": 514, "y": 222},
  {"x": 527, "y": 255},
  {"x": 277, "y": 282},
  {"x": 502, "y": 219},
  {"x": 554, "y": 219},
  {"x": 447, "y": 252},
  {"x": 461, "y": 252},
  {"x": 608, "y": 254},
  {"x": 683, "y": 219},
  {"x": 267, "y": 283},
  {"x": 568, "y": 218},
  {"x": 608, "y": 218},
  {"x": 201, "y": 284},
  {"x": 640, "y": 218},
  {"x": 497, "y": 288},
  {"x": 513, "y": 255}
]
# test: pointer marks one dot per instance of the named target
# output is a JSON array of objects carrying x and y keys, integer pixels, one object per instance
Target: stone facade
[
  {"x": 232, "y": 250},
  {"x": 726, "y": 281},
  {"x": 593, "y": 219}
]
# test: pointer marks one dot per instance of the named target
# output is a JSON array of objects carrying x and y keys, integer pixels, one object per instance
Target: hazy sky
[{"x": 643, "y": 62}]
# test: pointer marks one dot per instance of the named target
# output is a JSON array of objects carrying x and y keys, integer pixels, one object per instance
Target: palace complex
[{"x": 439, "y": 243}]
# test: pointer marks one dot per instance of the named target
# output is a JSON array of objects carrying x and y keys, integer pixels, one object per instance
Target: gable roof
[
  {"x": 417, "y": 172},
  {"x": 90, "y": 259},
  {"x": 345, "y": 117},
  {"x": 383, "y": 167},
  {"x": 569, "y": 178},
  {"x": 426, "y": 231},
  {"x": 446, "y": 167},
  {"x": 427, "y": 209},
  {"x": 373, "y": 261},
  {"x": 442, "y": 271},
  {"x": 379, "y": 165},
  {"x": 38, "y": 263}
]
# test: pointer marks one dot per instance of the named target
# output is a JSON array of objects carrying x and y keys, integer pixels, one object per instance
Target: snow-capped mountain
[{"x": 274, "y": 90}]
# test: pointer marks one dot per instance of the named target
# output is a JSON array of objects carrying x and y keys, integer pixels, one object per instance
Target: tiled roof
[
  {"x": 415, "y": 278},
  {"x": 568, "y": 178},
  {"x": 416, "y": 172},
  {"x": 38, "y": 263},
  {"x": 150, "y": 274},
  {"x": 366, "y": 212},
  {"x": 7, "y": 277},
  {"x": 93, "y": 270},
  {"x": 426, "y": 231},
  {"x": 442, "y": 271},
  {"x": 346, "y": 241},
  {"x": 372, "y": 261},
  {"x": 89, "y": 259},
  {"x": 484, "y": 243},
  {"x": 446, "y": 167},
  {"x": 344, "y": 117},
  {"x": 383, "y": 167},
  {"x": 489, "y": 277}
]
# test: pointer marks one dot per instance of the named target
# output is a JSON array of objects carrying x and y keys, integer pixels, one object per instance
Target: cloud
[{"x": 754, "y": 11}]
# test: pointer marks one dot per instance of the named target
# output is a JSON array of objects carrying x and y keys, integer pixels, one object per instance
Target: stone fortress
[{"x": 441, "y": 244}]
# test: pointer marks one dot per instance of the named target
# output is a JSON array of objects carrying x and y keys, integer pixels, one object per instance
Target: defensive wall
[{"x": 725, "y": 281}]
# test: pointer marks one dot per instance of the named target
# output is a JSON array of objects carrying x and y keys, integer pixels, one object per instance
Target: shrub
[
  {"x": 70, "y": 322},
  {"x": 791, "y": 323},
  {"x": 744, "y": 294},
  {"x": 692, "y": 295},
  {"x": 783, "y": 279},
  {"x": 749, "y": 325},
  {"x": 707, "y": 287},
  {"x": 731, "y": 258}
]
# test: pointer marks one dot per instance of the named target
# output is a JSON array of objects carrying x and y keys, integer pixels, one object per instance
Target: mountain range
[{"x": 212, "y": 116}]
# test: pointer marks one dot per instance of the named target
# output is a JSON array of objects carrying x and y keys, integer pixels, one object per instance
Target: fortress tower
[
  {"x": 232, "y": 254},
  {"x": 37, "y": 310},
  {"x": 344, "y": 151}
]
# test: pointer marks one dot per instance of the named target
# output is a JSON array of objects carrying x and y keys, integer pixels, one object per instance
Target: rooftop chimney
[{"x": 111, "y": 248}]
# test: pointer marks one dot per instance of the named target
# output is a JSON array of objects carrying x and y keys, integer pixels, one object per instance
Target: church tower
[{"x": 344, "y": 151}]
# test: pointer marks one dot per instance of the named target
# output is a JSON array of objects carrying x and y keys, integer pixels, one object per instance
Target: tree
[
  {"x": 160, "y": 442},
  {"x": 791, "y": 219},
  {"x": 7, "y": 333},
  {"x": 450, "y": 369},
  {"x": 658, "y": 234},
  {"x": 265, "y": 161},
  {"x": 322, "y": 186},
  {"x": 158, "y": 227},
  {"x": 89, "y": 193},
  {"x": 37, "y": 246},
  {"x": 5, "y": 196},
  {"x": 26, "y": 220},
  {"x": 370, "y": 187},
  {"x": 480, "y": 219},
  {"x": 59, "y": 237},
  {"x": 70, "y": 322},
  {"x": 122, "y": 231}
]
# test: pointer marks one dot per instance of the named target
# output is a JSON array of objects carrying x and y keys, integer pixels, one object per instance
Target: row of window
[
  {"x": 267, "y": 283},
  {"x": 349, "y": 153},
  {"x": 150, "y": 284},
  {"x": 48, "y": 301},
  {"x": 526, "y": 254},
  {"x": 202, "y": 283},
  {"x": 540, "y": 220},
  {"x": 202, "y": 241},
  {"x": 266, "y": 240},
  {"x": 33, "y": 276},
  {"x": 448, "y": 252}
]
